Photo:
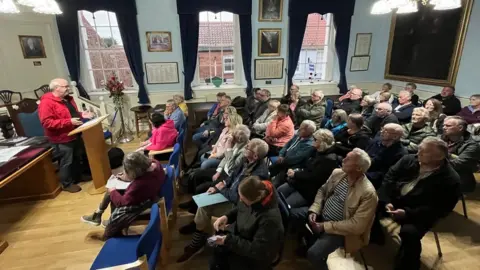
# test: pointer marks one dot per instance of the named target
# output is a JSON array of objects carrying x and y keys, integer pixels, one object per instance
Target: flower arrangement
[{"x": 114, "y": 86}]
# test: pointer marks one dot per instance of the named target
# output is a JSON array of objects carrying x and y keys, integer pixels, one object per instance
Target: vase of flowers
[{"x": 115, "y": 87}]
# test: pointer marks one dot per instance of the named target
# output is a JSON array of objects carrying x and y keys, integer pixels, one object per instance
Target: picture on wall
[
  {"x": 426, "y": 46},
  {"x": 270, "y": 10},
  {"x": 159, "y": 41},
  {"x": 32, "y": 47},
  {"x": 269, "y": 42}
]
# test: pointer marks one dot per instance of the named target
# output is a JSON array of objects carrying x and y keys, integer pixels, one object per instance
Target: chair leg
[
  {"x": 437, "y": 241},
  {"x": 363, "y": 260},
  {"x": 136, "y": 125},
  {"x": 464, "y": 205}
]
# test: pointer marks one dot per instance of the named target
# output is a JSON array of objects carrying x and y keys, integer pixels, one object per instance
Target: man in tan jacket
[{"x": 343, "y": 211}]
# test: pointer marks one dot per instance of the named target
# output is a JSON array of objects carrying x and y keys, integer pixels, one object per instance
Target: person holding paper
[
  {"x": 59, "y": 115},
  {"x": 258, "y": 232},
  {"x": 253, "y": 165}
]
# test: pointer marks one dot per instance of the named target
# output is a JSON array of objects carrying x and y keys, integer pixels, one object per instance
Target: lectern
[{"x": 96, "y": 148}]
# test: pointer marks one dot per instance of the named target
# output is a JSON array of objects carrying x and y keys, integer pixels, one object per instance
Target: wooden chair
[
  {"x": 26, "y": 106},
  {"x": 7, "y": 95},
  {"x": 42, "y": 90}
]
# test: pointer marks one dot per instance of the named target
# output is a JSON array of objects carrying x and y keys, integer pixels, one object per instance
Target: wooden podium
[{"x": 96, "y": 148}]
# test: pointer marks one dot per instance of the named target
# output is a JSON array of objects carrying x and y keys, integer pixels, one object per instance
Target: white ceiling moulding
[
  {"x": 39, "y": 6},
  {"x": 411, "y": 6}
]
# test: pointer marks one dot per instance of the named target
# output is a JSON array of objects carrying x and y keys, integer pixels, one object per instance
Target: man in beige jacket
[{"x": 343, "y": 210}]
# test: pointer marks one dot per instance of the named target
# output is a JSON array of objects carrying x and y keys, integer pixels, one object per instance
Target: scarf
[{"x": 269, "y": 187}]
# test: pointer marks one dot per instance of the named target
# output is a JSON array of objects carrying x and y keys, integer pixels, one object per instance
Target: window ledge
[
  {"x": 104, "y": 93},
  {"x": 213, "y": 87},
  {"x": 314, "y": 83}
]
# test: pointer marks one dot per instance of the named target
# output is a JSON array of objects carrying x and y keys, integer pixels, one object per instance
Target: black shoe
[
  {"x": 72, "y": 188},
  {"x": 196, "y": 247},
  {"x": 186, "y": 205},
  {"x": 189, "y": 228},
  {"x": 95, "y": 219},
  {"x": 193, "y": 209}
]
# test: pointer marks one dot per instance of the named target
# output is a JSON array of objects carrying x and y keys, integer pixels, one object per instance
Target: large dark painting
[{"x": 426, "y": 46}]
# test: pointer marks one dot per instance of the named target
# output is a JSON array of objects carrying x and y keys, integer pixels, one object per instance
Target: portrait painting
[
  {"x": 270, "y": 10},
  {"x": 32, "y": 47},
  {"x": 269, "y": 42},
  {"x": 159, "y": 41},
  {"x": 426, "y": 46}
]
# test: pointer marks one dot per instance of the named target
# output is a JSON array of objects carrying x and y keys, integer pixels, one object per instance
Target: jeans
[
  {"x": 199, "y": 139},
  {"x": 408, "y": 256},
  {"x": 325, "y": 244},
  {"x": 105, "y": 201},
  {"x": 209, "y": 163},
  {"x": 292, "y": 196},
  {"x": 70, "y": 170}
]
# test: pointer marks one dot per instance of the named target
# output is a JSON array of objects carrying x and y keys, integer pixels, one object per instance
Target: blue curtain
[
  {"x": 69, "y": 36},
  {"x": 295, "y": 40},
  {"x": 188, "y": 11},
  {"x": 342, "y": 25},
  {"x": 189, "y": 32}
]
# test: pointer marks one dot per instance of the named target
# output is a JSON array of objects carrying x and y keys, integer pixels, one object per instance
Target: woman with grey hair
[
  {"x": 303, "y": 183},
  {"x": 367, "y": 104},
  {"x": 338, "y": 121}
]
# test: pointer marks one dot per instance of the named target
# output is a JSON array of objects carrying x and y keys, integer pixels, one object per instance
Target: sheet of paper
[
  {"x": 8, "y": 153},
  {"x": 114, "y": 182},
  {"x": 206, "y": 199}
]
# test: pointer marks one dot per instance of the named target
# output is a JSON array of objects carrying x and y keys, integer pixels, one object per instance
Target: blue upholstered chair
[
  {"x": 31, "y": 124},
  {"x": 329, "y": 108},
  {"x": 128, "y": 249}
]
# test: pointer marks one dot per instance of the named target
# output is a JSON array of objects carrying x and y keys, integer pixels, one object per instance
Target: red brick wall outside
[{"x": 206, "y": 62}]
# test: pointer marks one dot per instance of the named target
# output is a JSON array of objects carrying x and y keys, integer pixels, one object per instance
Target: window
[
  {"x": 103, "y": 53},
  {"x": 317, "y": 53},
  {"x": 216, "y": 55}
]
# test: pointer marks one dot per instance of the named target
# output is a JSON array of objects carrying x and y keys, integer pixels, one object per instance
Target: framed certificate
[
  {"x": 359, "y": 63},
  {"x": 363, "y": 43},
  {"x": 162, "y": 72},
  {"x": 268, "y": 69}
]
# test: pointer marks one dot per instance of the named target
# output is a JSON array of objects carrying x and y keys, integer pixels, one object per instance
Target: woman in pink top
[
  {"x": 279, "y": 131},
  {"x": 224, "y": 142},
  {"x": 164, "y": 135}
]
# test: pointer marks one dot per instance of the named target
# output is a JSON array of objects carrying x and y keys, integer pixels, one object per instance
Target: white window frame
[
  {"x": 328, "y": 56},
  {"x": 239, "y": 76},
  {"x": 86, "y": 68},
  {"x": 231, "y": 64}
]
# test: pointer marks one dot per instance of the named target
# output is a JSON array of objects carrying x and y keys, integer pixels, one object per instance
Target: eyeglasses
[{"x": 64, "y": 86}]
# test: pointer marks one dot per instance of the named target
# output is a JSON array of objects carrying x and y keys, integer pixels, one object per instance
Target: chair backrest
[
  {"x": 39, "y": 92},
  {"x": 329, "y": 108},
  {"x": 181, "y": 137},
  {"x": 175, "y": 156},
  {"x": 284, "y": 209},
  {"x": 6, "y": 96},
  {"x": 32, "y": 127},
  {"x": 151, "y": 239},
  {"x": 167, "y": 191}
]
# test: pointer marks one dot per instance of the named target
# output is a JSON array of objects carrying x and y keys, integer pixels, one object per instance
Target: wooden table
[{"x": 29, "y": 176}]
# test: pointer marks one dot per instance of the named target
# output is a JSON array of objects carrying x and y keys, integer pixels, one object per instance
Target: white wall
[
  {"x": 379, "y": 25},
  {"x": 19, "y": 74}
]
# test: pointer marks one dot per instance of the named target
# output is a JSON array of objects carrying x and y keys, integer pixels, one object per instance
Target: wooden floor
[{"x": 49, "y": 235}]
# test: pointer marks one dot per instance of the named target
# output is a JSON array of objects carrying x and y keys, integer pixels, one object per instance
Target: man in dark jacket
[
  {"x": 263, "y": 97},
  {"x": 417, "y": 192},
  {"x": 313, "y": 110},
  {"x": 254, "y": 164},
  {"x": 403, "y": 111},
  {"x": 251, "y": 103},
  {"x": 256, "y": 233},
  {"x": 450, "y": 103},
  {"x": 352, "y": 103},
  {"x": 464, "y": 152},
  {"x": 384, "y": 152},
  {"x": 383, "y": 115}
]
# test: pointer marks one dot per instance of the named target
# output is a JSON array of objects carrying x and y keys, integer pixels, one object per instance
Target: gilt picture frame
[
  {"x": 32, "y": 47},
  {"x": 159, "y": 41},
  {"x": 270, "y": 10},
  {"x": 269, "y": 42}
]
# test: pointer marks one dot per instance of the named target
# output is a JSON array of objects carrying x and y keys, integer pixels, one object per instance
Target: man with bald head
[
  {"x": 382, "y": 116},
  {"x": 59, "y": 115},
  {"x": 352, "y": 103}
]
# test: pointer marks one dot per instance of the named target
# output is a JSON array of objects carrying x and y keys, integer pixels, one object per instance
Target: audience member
[
  {"x": 215, "y": 109},
  {"x": 386, "y": 97},
  {"x": 279, "y": 131},
  {"x": 333, "y": 226},
  {"x": 355, "y": 136},
  {"x": 417, "y": 130},
  {"x": 180, "y": 102},
  {"x": 383, "y": 115},
  {"x": 417, "y": 192},
  {"x": 287, "y": 98},
  {"x": 215, "y": 123},
  {"x": 59, "y": 115},
  {"x": 464, "y": 151},
  {"x": 450, "y": 103},
  {"x": 411, "y": 87},
  {"x": 368, "y": 105},
  {"x": 471, "y": 113},
  {"x": 260, "y": 126},
  {"x": 253, "y": 165},
  {"x": 352, "y": 103},
  {"x": 173, "y": 112},
  {"x": 338, "y": 122},
  {"x": 403, "y": 111},
  {"x": 294, "y": 153},
  {"x": 251, "y": 103},
  {"x": 386, "y": 87},
  {"x": 313, "y": 110},
  {"x": 164, "y": 135},
  {"x": 295, "y": 102},
  {"x": 384, "y": 152},
  {"x": 435, "y": 114},
  {"x": 257, "y": 234},
  {"x": 303, "y": 183},
  {"x": 223, "y": 143},
  {"x": 147, "y": 178},
  {"x": 347, "y": 95},
  {"x": 262, "y": 105}
]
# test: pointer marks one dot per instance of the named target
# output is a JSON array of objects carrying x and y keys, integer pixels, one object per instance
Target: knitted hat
[{"x": 115, "y": 156}]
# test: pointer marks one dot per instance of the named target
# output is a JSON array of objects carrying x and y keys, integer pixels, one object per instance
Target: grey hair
[
  {"x": 341, "y": 114},
  {"x": 364, "y": 160},
  {"x": 55, "y": 83},
  {"x": 387, "y": 105},
  {"x": 319, "y": 93},
  {"x": 259, "y": 147},
  {"x": 310, "y": 124},
  {"x": 369, "y": 100},
  {"x": 274, "y": 103},
  {"x": 266, "y": 92},
  {"x": 459, "y": 120},
  {"x": 179, "y": 97},
  {"x": 407, "y": 93},
  {"x": 136, "y": 164},
  {"x": 243, "y": 132},
  {"x": 397, "y": 129},
  {"x": 172, "y": 102},
  {"x": 423, "y": 111},
  {"x": 440, "y": 144},
  {"x": 325, "y": 138}
]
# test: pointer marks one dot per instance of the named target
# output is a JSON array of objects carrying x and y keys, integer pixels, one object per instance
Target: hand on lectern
[
  {"x": 87, "y": 115},
  {"x": 76, "y": 121}
]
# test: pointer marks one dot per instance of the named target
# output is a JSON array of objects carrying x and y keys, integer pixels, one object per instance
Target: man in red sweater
[{"x": 59, "y": 115}]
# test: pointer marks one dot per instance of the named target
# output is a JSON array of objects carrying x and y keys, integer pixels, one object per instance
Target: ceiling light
[
  {"x": 381, "y": 7},
  {"x": 47, "y": 7},
  {"x": 408, "y": 8},
  {"x": 447, "y": 4},
  {"x": 7, "y": 6},
  {"x": 29, "y": 3}
]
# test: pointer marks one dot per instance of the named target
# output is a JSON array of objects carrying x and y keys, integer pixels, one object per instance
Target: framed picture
[
  {"x": 270, "y": 10},
  {"x": 159, "y": 41},
  {"x": 359, "y": 63},
  {"x": 269, "y": 42},
  {"x": 426, "y": 46},
  {"x": 162, "y": 72},
  {"x": 363, "y": 43},
  {"x": 32, "y": 47},
  {"x": 268, "y": 69}
]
